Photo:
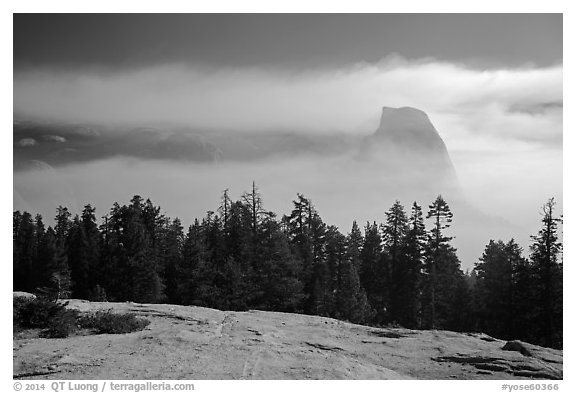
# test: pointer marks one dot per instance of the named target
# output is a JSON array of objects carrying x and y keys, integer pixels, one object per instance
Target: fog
[
  {"x": 345, "y": 100},
  {"x": 503, "y": 204},
  {"x": 502, "y": 129}
]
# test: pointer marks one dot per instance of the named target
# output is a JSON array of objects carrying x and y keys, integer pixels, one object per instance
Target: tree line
[{"x": 242, "y": 256}]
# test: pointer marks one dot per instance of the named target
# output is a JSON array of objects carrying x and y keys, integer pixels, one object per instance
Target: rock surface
[
  {"x": 200, "y": 343},
  {"x": 409, "y": 127},
  {"x": 407, "y": 142}
]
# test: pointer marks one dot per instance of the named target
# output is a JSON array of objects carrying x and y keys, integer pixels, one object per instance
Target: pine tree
[
  {"x": 253, "y": 200},
  {"x": 306, "y": 232},
  {"x": 240, "y": 254},
  {"x": 141, "y": 262},
  {"x": 410, "y": 270},
  {"x": 328, "y": 277},
  {"x": 192, "y": 271},
  {"x": 460, "y": 314},
  {"x": 319, "y": 302},
  {"x": 129, "y": 255},
  {"x": 213, "y": 228},
  {"x": 524, "y": 295},
  {"x": 113, "y": 275},
  {"x": 278, "y": 273},
  {"x": 37, "y": 270},
  {"x": 58, "y": 266},
  {"x": 77, "y": 254},
  {"x": 441, "y": 267},
  {"x": 92, "y": 254},
  {"x": 545, "y": 251},
  {"x": 153, "y": 220},
  {"x": 218, "y": 261},
  {"x": 494, "y": 288},
  {"x": 239, "y": 238},
  {"x": 16, "y": 250},
  {"x": 52, "y": 258},
  {"x": 24, "y": 243},
  {"x": 351, "y": 302},
  {"x": 394, "y": 233},
  {"x": 63, "y": 224},
  {"x": 142, "y": 256},
  {"x": 354, "y": 243},
  {"x": 60, "y": 275},
  {"x": 224, "y": 208},
  {"x": 372, "y": 275},
  {"x": 171, "y": 255}
]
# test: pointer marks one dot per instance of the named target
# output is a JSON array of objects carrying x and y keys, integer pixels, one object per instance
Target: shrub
[
  {"x": 32, "y": 313},
  {"x": 18, "y": 304},
  {"x": 111, "y": 323},
  {"x": 59, "y": 322},
  {"x": 61, "y": 325}
]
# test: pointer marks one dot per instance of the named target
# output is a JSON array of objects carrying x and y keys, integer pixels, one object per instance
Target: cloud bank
[{"x": 521, "y": 104}]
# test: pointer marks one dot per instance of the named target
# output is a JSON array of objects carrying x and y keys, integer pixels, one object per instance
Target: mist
[
  {"x": 342, "y": 189},
  {"x": 317, "y": 100},
  {"x": 502, "y": 128}
]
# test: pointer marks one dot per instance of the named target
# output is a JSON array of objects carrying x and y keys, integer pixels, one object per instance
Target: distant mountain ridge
[
  {"x": 409, "y": 128},
  {"x": 402, "y": 131},
  {"x": 406, "y": 141},
  {"x": 31, "y": 142}
]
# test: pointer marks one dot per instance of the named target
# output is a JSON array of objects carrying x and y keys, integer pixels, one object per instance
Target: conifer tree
[
  {"x": 37, "y": 269},
  {"x": 171, "y": 255},
  {"x": 524, "y": 295},
  {"x": 24, "y": 243},
  {"x": 494, "y": 288},
  {"x": 16, "y": 222},
  {"x": 153, "y": 220},
  {"x": 77, "y": 254},
  {"x": 460, "y": 314},
  {"x": 240, "y": 254},
  {"x": 112, "y": 269},
  {"x": 92, "y": 255},
  {"x": 306, "y": 232},
  {"x": 327, "y": 273},
  {"x": 144, "y": 220},
  {"x": 354, "y": 243},
  {"x": 350, "y": 300},
  {"x": 56, "y": 281},
  {"x": 372, "y": 274},
  {"x": 253, "y": 200},
  {"x": 410, "y": 270},
  {"x": 62, "y": 226},
  {"x": 192, "y": 271},
  {"x": 394, "y": 233},
  {"x": 224, "y": 208},
  {"x": 278, "y": 273},
  {"x": 141, "y": 257},
  {"x": 545, "y": 251},
  {"x": 441, "y": 267}
]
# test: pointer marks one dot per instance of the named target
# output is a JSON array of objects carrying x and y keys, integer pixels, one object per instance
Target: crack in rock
[
  {"x": 533, "y": 368},
  {"x": 324, "y": 347}
]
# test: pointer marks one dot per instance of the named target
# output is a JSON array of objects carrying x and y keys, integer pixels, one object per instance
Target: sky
[
  {"x": 492, "y": 84},
  {"x": 284, "y": 40}
]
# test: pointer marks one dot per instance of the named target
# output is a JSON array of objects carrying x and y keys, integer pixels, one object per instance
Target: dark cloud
[
  {"x": 538, "y": 108},
  {"x": 285, "y": 40}
]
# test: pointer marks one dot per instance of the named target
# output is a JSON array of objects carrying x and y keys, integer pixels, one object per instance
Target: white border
[{"x": 302, "y": 6}]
